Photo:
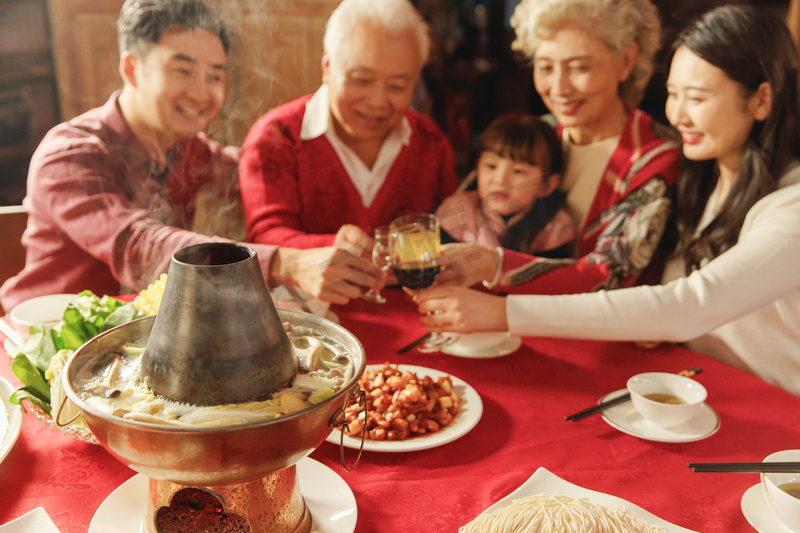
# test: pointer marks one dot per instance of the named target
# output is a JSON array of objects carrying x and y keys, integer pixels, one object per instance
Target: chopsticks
[
  {"x": 414, "y": 344},
  {"x": 622, "y": 398},
  {"x": 769, "y": 467},
  {"x": 298, "y": 299},
  {"x": 602, "y": 406},
  {"x": 11, "y": 334}
]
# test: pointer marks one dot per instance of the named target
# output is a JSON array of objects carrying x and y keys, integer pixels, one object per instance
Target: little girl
[{"x": 517, "y": 204}]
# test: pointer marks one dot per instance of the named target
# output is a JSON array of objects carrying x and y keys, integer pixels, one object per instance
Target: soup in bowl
[
  {"x": 782, "y": 490},
  {"x": 666, "y": 400}
]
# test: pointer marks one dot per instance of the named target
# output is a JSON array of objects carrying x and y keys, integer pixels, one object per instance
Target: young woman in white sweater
[{"x": 731, "y": 289}]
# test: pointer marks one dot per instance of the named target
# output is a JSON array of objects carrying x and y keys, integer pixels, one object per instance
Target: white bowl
[
  {"x": 782, "y": 504},
  {"x": 45, "y": 310},
  {"x": 666, "y": 415}
]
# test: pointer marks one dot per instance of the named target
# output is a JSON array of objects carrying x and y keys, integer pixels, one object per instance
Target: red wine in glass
[{"x": 416, "y": 275}]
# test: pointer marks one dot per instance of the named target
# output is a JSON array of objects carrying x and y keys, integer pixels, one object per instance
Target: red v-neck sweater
[{"x": 296, "y": 192}]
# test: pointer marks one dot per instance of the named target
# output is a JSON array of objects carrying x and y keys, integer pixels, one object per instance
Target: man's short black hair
[{"x": 142, "y": 22}]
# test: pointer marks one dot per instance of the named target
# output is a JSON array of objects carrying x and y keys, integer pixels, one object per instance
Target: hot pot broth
[{"x": 115, "y": 388}]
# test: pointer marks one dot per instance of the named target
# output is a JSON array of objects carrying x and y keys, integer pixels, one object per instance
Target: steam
[{"x": 275, "y": 58}]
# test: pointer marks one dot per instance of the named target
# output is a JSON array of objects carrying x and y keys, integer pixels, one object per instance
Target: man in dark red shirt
[{"x": 111, "y": 193}]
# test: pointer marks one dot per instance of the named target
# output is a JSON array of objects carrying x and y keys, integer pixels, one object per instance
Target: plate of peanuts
[{"x": 410, "y": 408}]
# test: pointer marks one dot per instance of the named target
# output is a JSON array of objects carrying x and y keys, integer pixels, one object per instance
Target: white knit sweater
[{"x": 742, "y": 308}]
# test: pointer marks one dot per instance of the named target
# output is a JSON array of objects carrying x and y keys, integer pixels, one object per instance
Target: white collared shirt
[{"x": 316, "y": 122}]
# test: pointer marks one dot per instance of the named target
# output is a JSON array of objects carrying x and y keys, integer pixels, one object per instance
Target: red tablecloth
[{"x": 525, "y": 396}]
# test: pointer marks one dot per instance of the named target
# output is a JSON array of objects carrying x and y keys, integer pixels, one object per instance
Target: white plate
[
  {"x": 756, "y": 510},
  {"x": 545, "y": 482},
  {"x": 36, "y": 521},
  {"x": 467, "y": 418},
  {"x": 329, "y": 499},
  {"x": 10, "y": 419},
  {"x": 627, "y": 419},
  {"x": 477, "y": 345}
]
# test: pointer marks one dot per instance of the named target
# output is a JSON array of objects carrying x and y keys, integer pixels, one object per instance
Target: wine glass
[
  {"x": 414, "y": 246},
  {"x": 414, "y": 249},
  {"x": 382, "y": 259}
]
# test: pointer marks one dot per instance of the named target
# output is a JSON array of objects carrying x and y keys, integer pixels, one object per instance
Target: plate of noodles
[{"x": 546, "y": 496}]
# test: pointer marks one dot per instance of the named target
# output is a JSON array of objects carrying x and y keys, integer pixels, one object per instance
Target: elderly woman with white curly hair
[{"x": 591, "y": 62}]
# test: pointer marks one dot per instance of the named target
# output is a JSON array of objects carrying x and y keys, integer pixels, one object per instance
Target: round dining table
[{"x": 525, "y": 398}]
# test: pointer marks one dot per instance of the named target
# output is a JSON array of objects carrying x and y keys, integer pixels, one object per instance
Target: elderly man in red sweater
[{"x": 353, "y": 153}]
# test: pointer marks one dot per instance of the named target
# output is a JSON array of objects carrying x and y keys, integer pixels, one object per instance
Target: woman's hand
[
  {"x": 467, "y": 264},
  {"x": 648, "y": 345},
  {"x": 460, "y": 310}
]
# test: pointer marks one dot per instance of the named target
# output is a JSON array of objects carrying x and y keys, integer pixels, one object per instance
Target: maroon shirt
[{"x": 102, "y": 216}]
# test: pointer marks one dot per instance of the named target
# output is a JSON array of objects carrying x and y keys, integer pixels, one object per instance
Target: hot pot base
[{"x": 272, "y": 504}]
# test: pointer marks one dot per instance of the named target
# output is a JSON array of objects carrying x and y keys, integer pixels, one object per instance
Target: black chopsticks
[
  {"x": 414, "y": 344},
  {"x": 298, "y": 299},
  {"x": 622, "y": 398},
  {"x": 769, "y": 467}
]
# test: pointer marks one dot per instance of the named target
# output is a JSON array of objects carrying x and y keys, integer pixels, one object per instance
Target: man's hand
[
  {"x": 329, "y": 274},
  {"x": 354, "y": 240}
]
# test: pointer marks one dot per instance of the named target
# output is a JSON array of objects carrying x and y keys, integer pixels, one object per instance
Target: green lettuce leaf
[
  {"x": 32, "y": 377},
  {"x": 87, "y": 318},
  {"x": 24, "y": 394}
]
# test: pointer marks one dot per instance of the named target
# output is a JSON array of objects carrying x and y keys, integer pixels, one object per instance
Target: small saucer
[
  {"x": 627, "y": 419},
  {"x": 756, "y": 510},
  {"x": 37, "y": 520},
  {"x": 464, "y": 346}
]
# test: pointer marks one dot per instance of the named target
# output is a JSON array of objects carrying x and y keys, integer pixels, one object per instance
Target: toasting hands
[
  {"x": 334, "y": 274},
  {"x": 460, "y": 310},
  {"x": 354, "y": 240},
  {"x": 467, "y": 264}
]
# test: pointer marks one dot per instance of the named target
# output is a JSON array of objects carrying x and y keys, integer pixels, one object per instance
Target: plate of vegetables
[{"x": 39, "y": 361}]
